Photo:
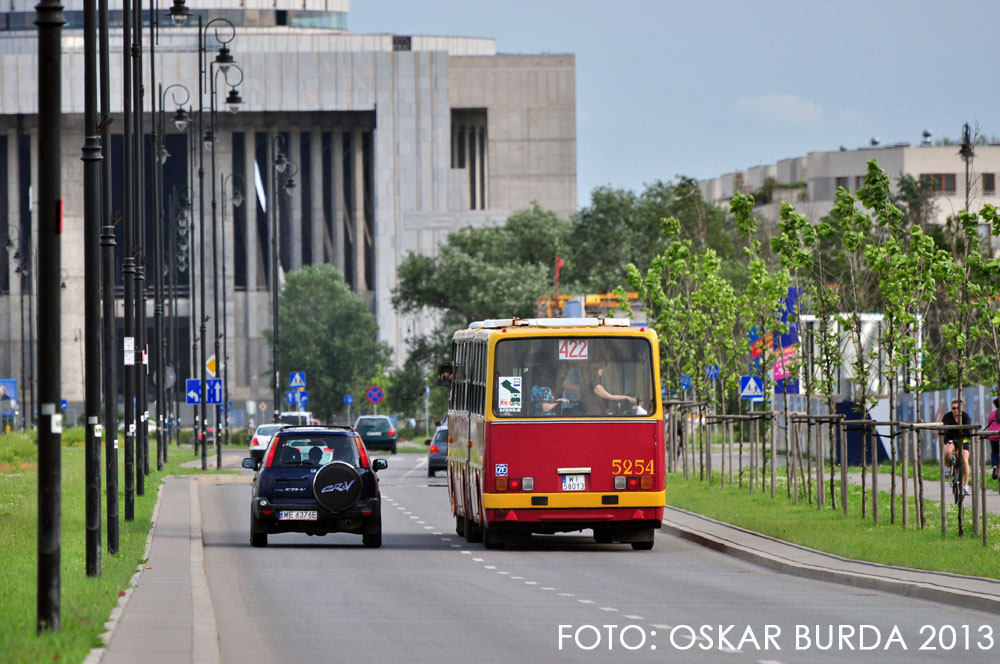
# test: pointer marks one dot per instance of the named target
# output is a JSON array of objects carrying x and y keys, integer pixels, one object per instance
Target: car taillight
[
  {"x": 434, "y": 449},
  {"x": 270, "y": 454},
  {"x": 392, "y": 432},
  {"x": 362, "y": 452},
  {"x": 255, "y": 442}
]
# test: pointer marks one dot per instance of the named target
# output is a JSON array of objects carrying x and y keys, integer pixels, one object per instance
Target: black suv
[{"x": 316, "y": 480}]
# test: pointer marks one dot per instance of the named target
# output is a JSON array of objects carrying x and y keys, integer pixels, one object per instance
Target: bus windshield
[{"x": 569, "y": 376}]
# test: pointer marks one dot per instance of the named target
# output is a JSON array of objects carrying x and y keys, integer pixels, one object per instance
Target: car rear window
[
  {"x": 441, "y": 436},
  {"x": 369, "y": 423},
  {"x": 314, "y": 450},
  {"x": 267, "y": 429}
]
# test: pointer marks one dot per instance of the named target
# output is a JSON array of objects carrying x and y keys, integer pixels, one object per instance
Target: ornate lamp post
[
  {"x": 279, "y": 165},
  {"x": 236, "y": 200}
]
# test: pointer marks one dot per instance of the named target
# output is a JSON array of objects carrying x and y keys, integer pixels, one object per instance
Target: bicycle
[{"x": 957, "y": 475}]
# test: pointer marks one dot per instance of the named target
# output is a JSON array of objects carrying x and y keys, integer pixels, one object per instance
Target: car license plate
[
  {"x": 297, "y": 515},
  {"x": 574, "y": 482}
]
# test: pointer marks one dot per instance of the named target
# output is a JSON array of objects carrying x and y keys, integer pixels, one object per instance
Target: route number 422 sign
[{"x": 573, "y": 349}]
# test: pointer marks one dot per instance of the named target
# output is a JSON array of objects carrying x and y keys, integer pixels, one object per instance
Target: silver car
[{"x": 262, "y": 437}]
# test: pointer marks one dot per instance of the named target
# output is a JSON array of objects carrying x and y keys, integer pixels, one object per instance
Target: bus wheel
[
  {"x": 459, "y": 526},
  {"x": 492, "y": 539},
  {"x": 602, "y": 536},
  {"x": 643, "y": 540},
  {"x": 642, "y": 546}
]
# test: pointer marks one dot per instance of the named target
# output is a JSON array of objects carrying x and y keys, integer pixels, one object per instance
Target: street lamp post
[
  {"x": 223, "y": 60},
  {"x": 160, "y": 155},
  {"x": 233, "y": 103},
  {"x": 13, "y": 244},
  {"x": 236, "y": 200},
  {"x": 278, "y": 166}
]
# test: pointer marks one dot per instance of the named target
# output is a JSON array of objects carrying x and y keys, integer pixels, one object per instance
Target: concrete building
[
  {"x": 811, "y": 182},
  {"x": 397, "y": 139}
]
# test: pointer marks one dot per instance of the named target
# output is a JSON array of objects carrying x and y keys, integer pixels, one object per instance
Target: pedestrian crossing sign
[{"x": 752, "y": 388}]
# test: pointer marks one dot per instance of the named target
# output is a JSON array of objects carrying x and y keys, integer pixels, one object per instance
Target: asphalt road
[{"x": 427, "y": 595}]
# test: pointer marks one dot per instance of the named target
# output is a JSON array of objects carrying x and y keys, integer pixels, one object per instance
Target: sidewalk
[
  {"x": 156, "y": 620},
  {"x": 964, "y": 591}
]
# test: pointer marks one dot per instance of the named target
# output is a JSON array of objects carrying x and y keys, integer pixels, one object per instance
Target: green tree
[{"x": 328, "y": 332}]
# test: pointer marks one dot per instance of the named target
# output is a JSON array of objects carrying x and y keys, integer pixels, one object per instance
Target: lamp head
[
  {"x": 237, "y": 198},
  {"x": 234, "y": 101},
  {"x": 280, "y": 163},
  {"x": 181, "y": 119},
  {"x": 179, "y": 13},
  {"x": 291, "y": 186},
  {"x": 224, "y": 59}
]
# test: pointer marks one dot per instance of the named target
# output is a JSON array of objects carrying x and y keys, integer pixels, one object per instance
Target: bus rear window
[{"x": 573, "y": 377}]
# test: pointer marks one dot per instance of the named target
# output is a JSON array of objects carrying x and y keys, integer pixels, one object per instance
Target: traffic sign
[
  {"x": 297, "y": 380},
  {"x": 685, "y": 382},
  {"x": 213, "y": 389},
  {"x": 210, "y": 365},
  {"x": 303, "y": 398},
  {"x": 348, "y": 400},
  {"x": 712, "y": 372},
  {"x": 290, "y": 397},
  {"x": 374, "y": 394},
  {"x": 193, "y": 390},
  {"x": 752, "y": 388}
]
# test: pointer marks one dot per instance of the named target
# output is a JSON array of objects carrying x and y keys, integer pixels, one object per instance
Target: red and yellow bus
[{"x": 555, "y": 425}]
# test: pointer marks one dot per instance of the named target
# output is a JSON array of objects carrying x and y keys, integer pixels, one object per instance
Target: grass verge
[
  {"x": 86, "y": 602},
  {"x": 849, "y": 536}
]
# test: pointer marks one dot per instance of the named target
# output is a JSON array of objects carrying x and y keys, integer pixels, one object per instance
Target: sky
[{"x": 706, "y": 87}]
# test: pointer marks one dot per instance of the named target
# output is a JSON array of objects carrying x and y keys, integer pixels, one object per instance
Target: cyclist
[{"x": 955, "y": 417}]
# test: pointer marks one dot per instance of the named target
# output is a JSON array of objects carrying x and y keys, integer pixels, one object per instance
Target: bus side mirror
[{"x": 445, "y": 372}]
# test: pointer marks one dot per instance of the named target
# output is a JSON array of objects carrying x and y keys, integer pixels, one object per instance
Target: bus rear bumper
[{"x": 550, "y": 520}]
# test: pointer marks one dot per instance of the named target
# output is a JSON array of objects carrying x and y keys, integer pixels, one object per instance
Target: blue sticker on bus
[{"x": 501, "y": 470}]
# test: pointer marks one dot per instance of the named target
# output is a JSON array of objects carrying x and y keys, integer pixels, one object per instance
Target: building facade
[
  {"x": 396, "y": 140},
  {"x": 811, "y": 182}
]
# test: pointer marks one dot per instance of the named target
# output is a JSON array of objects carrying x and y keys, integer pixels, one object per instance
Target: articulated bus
[{"x": 555, "y": 425}]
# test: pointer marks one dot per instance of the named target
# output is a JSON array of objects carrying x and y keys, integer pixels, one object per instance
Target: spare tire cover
[{"x": 337, "y": 486}]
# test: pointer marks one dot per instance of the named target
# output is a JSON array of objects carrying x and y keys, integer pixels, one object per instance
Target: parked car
[
  {"x": 261, "y": 437},
  {"x": 437, "y": 451},
  {"x": 377, "y": 431},
  {"x": 315, "y": 480}
]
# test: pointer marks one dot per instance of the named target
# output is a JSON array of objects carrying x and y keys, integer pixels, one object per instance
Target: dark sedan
[
  {"x": 316, "y": 480},
  {"x": 437, "y": 451}
]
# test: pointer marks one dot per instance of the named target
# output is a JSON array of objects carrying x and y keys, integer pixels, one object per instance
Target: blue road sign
[
  {"x": 213, "y": 388},
  {"x": 63, "y": 405},
  {"x": 752, "y": 388},
  {"x": 290, "y": 397},
  {"x": 348, "y": 400},
  {"x": 712, "y": 372},
  {"x": 297, "y": 379},
  {"x": 192, "y": 389},
  {"x": 303, "y": 398},
  {"x": 685, "y": 382}
]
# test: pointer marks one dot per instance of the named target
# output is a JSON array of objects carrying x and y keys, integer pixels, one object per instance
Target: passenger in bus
[{"x": 544, "y": 402}]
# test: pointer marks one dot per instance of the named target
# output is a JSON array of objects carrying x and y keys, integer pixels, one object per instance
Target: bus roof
[{"x": 494, "y": 323}]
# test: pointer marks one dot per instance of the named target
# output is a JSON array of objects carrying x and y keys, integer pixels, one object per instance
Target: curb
[{"x": 927, "y": 591}]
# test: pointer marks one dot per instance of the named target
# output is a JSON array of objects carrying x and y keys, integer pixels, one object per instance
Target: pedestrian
[
  {"x": 250, "y": 424},
  {"x": 993, "y": 424}
]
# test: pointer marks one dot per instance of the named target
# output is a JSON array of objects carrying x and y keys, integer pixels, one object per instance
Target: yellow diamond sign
[{"x": 210, "y": 365}]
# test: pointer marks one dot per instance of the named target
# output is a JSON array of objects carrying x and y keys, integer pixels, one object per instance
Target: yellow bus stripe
[{"x": 575, "y": 499}]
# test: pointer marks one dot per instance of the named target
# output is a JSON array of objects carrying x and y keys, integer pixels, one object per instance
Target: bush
[{"x": 16, "y": 448}]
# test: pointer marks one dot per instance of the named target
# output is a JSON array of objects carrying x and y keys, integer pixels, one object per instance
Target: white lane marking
[
  {"x": 517, "y": 578},
  {"x": 422, "y": 463},
  {"x": 478, "y": 560},
  {"x": 444, "y": 539},
  {"x": 548, "y": 588},
  {"x": 428, "y": 527},
  {"x": 490, "y": 566},
  {"x": 456, "y": 546},
  {"x": 466, "y": 553},
  {"x": 635, "y": 617},
  {"x": 436, "y": 532},
  {"x": 608, "y": 608},
  {"x": 420, "y": 523},
  {"x": 415, "y": 517},
  {"x": 503, "y": 572},
  {"x": 531, "y": 583},
  {"x": 585, "y": 601},
  {"x": 658, "y": 626},
  {"x": 567, "y": 595}
]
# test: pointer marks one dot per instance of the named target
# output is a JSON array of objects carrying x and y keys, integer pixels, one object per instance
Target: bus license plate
[
  {"x": 574, "y": 482},
  {"x": 297, "y": 515}
]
